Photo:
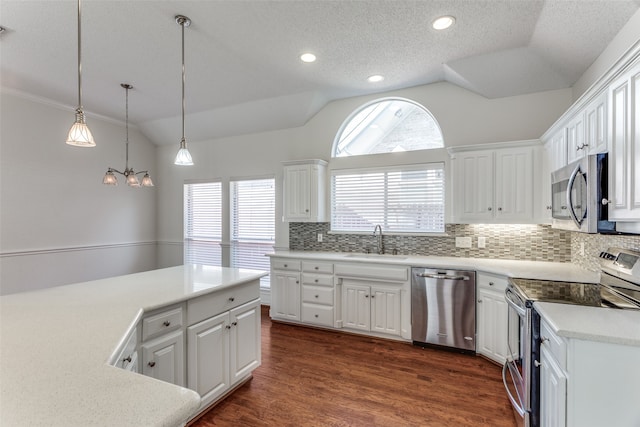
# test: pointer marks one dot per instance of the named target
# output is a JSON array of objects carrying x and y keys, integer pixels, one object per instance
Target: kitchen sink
[{"x": 375, "y": 256}]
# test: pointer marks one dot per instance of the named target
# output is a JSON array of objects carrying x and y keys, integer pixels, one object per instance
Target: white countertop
[
  {"x": 607, "y": 325},
  {"x": 526, "y": 269},
  {"x": 55, "y": 345}
]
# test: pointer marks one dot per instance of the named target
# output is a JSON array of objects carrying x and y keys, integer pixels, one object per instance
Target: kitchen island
[{"x": 58, "y": 347}]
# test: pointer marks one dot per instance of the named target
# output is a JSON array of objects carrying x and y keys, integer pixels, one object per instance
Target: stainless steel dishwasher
[{"x": 443, "y": 308}]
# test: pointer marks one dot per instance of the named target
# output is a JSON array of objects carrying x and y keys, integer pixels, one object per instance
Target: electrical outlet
[
  {"x": 463, "y": 242},
  {"x": 320, "y": 237},
  {"x": 482, "y": 242}
]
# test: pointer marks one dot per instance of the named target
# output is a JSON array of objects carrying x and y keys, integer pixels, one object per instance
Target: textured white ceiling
[{"x": 243, "y": 71}]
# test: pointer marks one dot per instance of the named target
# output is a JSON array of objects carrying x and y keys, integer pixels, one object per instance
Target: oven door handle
[
  {"x": 510, "y": 297},
  {"x": 516, "y": 405}
]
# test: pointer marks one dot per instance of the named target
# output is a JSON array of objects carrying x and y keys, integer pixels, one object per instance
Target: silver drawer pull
[
  {"x": 537, "y": 364},
  {"x": 234, "y": 324},
  {"x": 543, "y": 339},
  {"x": 285, "y": 266},
  {"x": 317, "y": 296},
  {"x": 232, "y": 299},
  {"x": 228, "y": 327},
  {"x": 490, "y": 283},
  {"x": 151, "y": 364},
  {"x": 442, "y": 276},
  {"x": 316, "y": 280},
  {"x": 316, "y": 267},
  {"x": 127, "y": 359},
  {"x": 166, "y": 323},
  {"x": 317, "y": 315}
]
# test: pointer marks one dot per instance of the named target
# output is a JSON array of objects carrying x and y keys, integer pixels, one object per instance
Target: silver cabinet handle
[
  {"x": 373, "y": 296},
  {"x": 499, "y": 209},
  {"x": 366, "y": 296},
  {"x": 316, "y": 281},
  {"x": 232, "y": 299},
  {"x": 234, "y": 324},
  {"x": 316, "y": 267},
  {"x": 127, "y": 359},
  {"x": 543, "y": 339},
  {"x": 317, "y": 296},
  {"x": 605, "y": 202},
  {"x": 442, "y": 276},
  {"x": 537, "y": 364},
  {"x": 151, "y": 364},
  {"x": 489, "y": 208},
  {"x": 285, "y": 266},
  {"x": 166, "y": 323},
  {"x": 490, "y": 283},
  {"x": 479, "y": 300},
  {"x": 317, "y": 316},
  {"x": 228, "y": 327}
]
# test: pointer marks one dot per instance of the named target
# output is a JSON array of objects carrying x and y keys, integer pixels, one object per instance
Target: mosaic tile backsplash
[
  {"x": 593, "y": 244},
  {"x": 504, "y": 241}
]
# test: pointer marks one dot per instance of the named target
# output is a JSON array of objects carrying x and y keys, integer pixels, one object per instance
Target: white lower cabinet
[
  {"x": 373, "y": 308},
  {"x": 223, "y": 350},
  {"x": 492, "y": 313},
  {"x": 163, "y": 358},
  {"x": 285, "y": 289},
  {"x": 553, "y": 391}
]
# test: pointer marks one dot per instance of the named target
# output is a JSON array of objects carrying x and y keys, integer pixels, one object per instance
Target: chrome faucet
[{"x": 380, "y": 247}]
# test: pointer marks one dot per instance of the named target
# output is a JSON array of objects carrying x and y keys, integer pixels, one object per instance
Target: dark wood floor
[{"x": 312, "y": 377}]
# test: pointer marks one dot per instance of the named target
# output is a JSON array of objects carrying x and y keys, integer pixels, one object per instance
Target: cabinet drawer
[
  {"x": 214, "y": 303},
  {"x": 317, "y": 267},
  {"x": 317, "y": 279},
  {"x": 317, "y": 294},
  {"x": 285, "y": 264},
  {"x": 553, "y": 343},
  {"x": 161, "y": 323},
  {"x": 371, "y": 271},
  {"x": 317, "y": 314},
  {"x": 493, "y": 282}
]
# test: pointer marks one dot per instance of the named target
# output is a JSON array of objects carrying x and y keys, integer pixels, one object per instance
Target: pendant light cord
[
  {"x": 126, "y": 118},
  {"x": 79, "y": 56},
  {"x": 183, "y": 72}
]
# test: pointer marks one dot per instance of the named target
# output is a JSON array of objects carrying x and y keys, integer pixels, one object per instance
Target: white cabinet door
[
  {"x": 553, "y": 391},
  {"x": 208, "y": 357},
  {"x": 163, "y": 358},
  {"x": 576, "y": 145},
  {"x": 474, "y": 195},
  {"x": 245, "y": 354},
  {"x": 514, "y": 184},
  {"x": 624, "y": 156},
  {"x": 356, "y": 307},
  {"x": 596, "y": 125},
  {"x": 492, "y": 325},
  {"x": 296, "y": 196},
  {"x": 385, "y": 310},
  {"x": 304, "y": 191},
  {"x": 285, "y": 295}
]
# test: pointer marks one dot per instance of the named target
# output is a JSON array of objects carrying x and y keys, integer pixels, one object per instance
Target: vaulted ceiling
[{"x": 243, "y": 70}]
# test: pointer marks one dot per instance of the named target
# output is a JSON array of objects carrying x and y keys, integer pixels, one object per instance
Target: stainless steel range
[{"x": 619, "y": 288}]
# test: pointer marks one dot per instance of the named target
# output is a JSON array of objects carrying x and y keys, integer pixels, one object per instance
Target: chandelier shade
[{"x": 79, "y": 134}]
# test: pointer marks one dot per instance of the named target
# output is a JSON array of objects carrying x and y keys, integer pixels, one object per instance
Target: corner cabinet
[
  {"x": 494, "y": 185},
  {"x": 304, "y": 190}
]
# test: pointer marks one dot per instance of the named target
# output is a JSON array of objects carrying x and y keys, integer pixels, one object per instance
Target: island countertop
[{"x": 56, "y": 346}]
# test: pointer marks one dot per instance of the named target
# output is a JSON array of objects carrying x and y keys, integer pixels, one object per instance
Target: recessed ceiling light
[
  {"x": 375, "y": 78},
  {"x": 443, "y": 22},
  {"x": 308, "y": 57}
]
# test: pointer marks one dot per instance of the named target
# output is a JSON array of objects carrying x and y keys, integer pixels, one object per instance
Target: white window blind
[
  {"x": 407, "y": 199},
  {"x": 252, "y": 224},
  {"x": 203, "y": 223}
]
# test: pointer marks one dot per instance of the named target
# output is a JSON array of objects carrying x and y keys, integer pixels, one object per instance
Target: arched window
[
  {"x": 387, "y": 125},
  {"x": 400, "y": 198}
]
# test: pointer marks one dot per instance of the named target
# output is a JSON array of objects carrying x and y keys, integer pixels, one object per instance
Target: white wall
[
  {"x": 465, "y": 118},
  {"x": 58, "y": 223}
]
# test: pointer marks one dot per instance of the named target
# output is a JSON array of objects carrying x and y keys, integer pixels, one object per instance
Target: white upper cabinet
[
  {"x": 576, "y": 144},
  {"x": 305, "y": 190},
  {"x": 596, "y": 125},
  {"x": 624, "y": 155},
  {"x": 494, "y": 185}
]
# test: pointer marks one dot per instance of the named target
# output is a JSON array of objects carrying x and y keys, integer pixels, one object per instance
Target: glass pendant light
[
  {"x": 184, "y": 157},
  {"x": 130, "y": 175},
  {"x": 79, "y": 134}
]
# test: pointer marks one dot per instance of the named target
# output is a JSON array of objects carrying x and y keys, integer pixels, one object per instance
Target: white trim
[
  {"x": 201, "y": 181},
  {"x": 494, "y": 146},
  {"x": 395, "y": 168},
  {"x": 74, "y": 249}
]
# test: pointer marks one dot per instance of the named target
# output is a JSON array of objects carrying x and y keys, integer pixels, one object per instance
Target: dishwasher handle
[{"x": 441, "y": 276}]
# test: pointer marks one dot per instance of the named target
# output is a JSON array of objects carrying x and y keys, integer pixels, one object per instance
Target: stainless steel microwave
[{"x": 577, "y": 192}]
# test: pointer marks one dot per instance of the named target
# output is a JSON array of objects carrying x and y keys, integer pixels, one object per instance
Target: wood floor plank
[{"x": 312, "y": 377}]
